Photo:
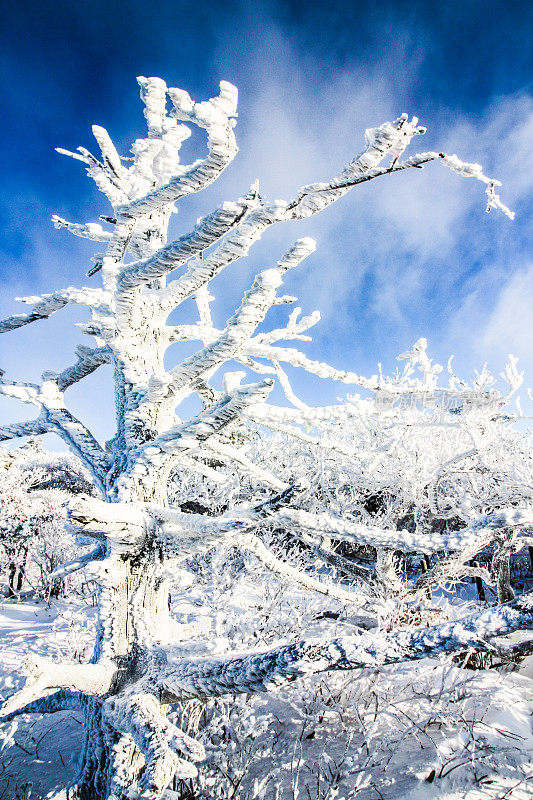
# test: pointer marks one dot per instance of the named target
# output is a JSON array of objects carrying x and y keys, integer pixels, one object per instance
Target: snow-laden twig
[{"x": 91, "y": 230}]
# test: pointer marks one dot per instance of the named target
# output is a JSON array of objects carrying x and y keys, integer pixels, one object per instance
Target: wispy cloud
[{"x": 396, "y": 259}]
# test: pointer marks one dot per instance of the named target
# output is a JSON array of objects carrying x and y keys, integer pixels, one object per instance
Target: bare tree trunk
[
  {"x": 22, "y": 569},
  {"x": 479, "y": 583},
  {"x": 501, "y": 568},
  {"x": 16, "y": 574}
]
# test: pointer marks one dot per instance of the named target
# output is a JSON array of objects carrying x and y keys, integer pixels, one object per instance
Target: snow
[
  {"x": 39, "y": 751},
  {"x": 472, "y": 729}
]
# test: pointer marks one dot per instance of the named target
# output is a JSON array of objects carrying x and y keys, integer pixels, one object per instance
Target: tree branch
[
  {"x": 295, "y": 358},
  {"x": 48, "y": 304},
  {"x": 215, "y": 116},
  {"x": 190, "y": 435},
  {"x": 44, "y": 307},
  {"x": 262, "y": 671},
  {"x": 63, "y": 700},
  {"x": 255, "y": 304},
  {"x": 34, "y": 427},
  {"x": 105, "y": 180},
  {"x": 55, "y": 416},
  {"x": 235, "y": 245},
  {"x": 253, "y": 544},
  {"x": 45, "y": 675},
  {"x": 478, "y": 533},
  {"x": 78, "y": 563},
  {"x": 89, "y": 359},
  {"x": 91, "y": 230},
  {"x": 233, "y": 455},
  {"x": 211, "y": 228}
]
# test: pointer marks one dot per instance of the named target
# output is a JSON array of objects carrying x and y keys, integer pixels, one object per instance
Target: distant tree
[
  {"x": 131, "y": 746},
  {"x": 35, "y": 487}
]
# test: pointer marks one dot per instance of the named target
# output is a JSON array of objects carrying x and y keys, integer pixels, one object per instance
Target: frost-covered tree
[
  {"x": 139, "y": 666},
  {"x": 426, "y": 453}
]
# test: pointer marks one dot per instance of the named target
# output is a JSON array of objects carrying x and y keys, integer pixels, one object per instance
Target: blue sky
[{"x": 413, "y": 255}]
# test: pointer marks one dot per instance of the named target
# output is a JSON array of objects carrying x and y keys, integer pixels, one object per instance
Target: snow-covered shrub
[
  {"x": 428, "y": 463},
  {"x": 417, "y": 455},
  {"x": 34, "y": 489},
  {"x": 431, "y": 730}
]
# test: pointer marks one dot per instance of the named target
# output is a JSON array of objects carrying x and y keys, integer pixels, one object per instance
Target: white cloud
[
  {"x": 509, "y": 328},
  {"x": 402, "y": 254}
]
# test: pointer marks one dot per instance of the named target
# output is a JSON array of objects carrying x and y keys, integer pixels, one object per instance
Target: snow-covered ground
[
  {"x": 421, "y": 731},
  {"x": 37, "y": 753}
]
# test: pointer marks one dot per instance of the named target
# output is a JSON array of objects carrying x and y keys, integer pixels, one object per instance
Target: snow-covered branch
[
  {"x": 295, "y": 328},
  {"x": 476, "y": 171},
  {"x": 253, "y": 544},
  {"x": 216, "y": 116},
  {"x": 33, "y": 427},
  {"x": 63, "y": 700},
  {"x": 43, "y": 307},
  {"x": 46, "y": 676},
  {"x": 118, "y": 522},
  {"x": 204, "y": 234},
  {"x": 97, "y": 554},
  {"x": 309, "y": 197},
  {"x": 405, "y": 541},
  {"x": 47, "y": 304},
  {"x": 295, "y": 358},
  {"x": 235, "y": 245},
  {"x": 49, "y": 399},
  {"x": 190, "y": 435},
  {"x": 235, "y": 455},
  {"x": 102, "y": 175},
  {"x": 256, "y": 302},
  {"x": 261, "y": 671},
  {"x": 89, "y": 359}
]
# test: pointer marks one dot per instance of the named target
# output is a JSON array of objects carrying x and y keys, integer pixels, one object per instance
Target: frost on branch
[
  {"x": 476, "y": 171},
  {"x": 258, "y": 671},
  {"x": 215, "y": 115},
  {"x": 241, "y": 448}
]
